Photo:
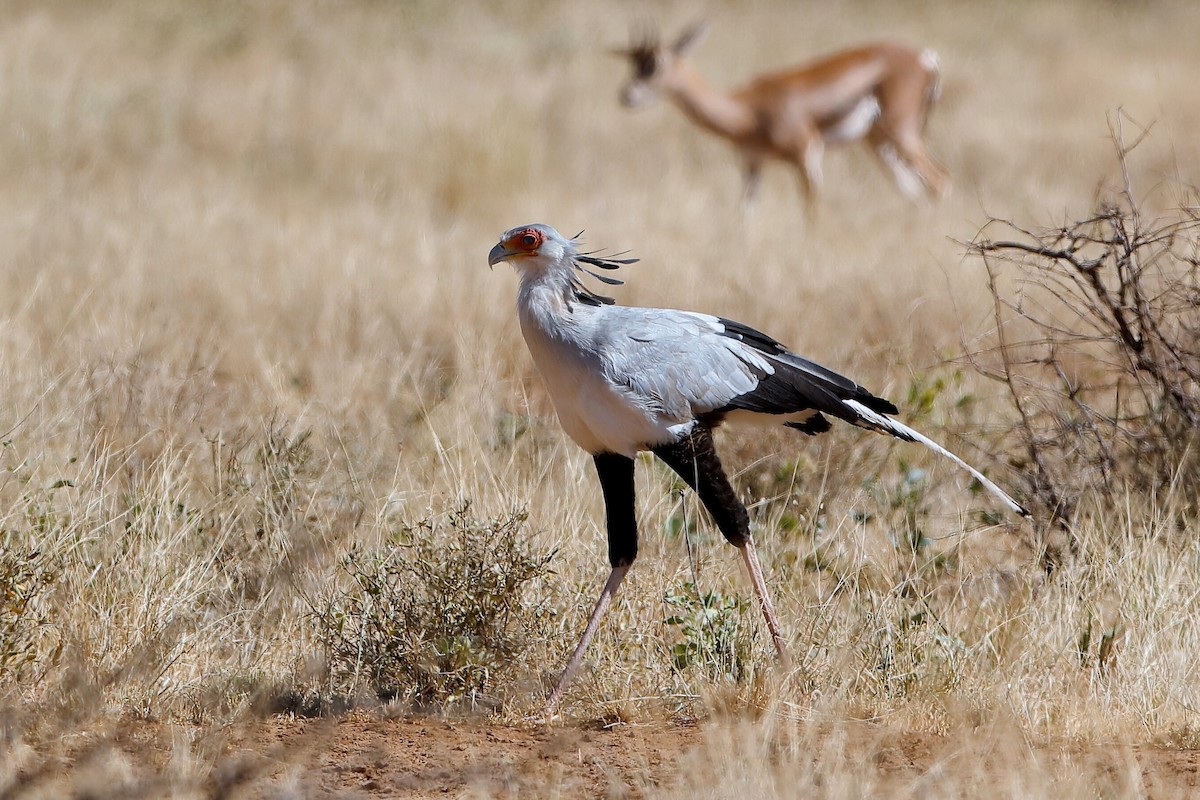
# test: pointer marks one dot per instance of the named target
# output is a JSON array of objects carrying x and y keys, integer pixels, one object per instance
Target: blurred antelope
[{"x": 881, "y": 92}]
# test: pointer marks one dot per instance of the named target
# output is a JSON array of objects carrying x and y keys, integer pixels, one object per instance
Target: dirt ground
[
  {"x": 364, "y": 757},
  {"x": 434, "y": 758}
]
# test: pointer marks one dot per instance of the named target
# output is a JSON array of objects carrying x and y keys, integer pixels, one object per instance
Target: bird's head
[
  {"x": 531, "y": 248},
  {"x": 537, "y": 250}
]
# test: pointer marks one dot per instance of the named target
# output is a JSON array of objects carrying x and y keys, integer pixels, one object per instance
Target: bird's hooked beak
[
  {"x": 521, "y": 243},
  {"x": 499, "y": 253}
]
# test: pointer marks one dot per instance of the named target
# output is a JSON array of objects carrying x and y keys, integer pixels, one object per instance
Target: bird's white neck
[{"x": 545, "y": 297}]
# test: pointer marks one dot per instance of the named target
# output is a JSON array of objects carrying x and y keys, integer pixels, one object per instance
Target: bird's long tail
[{"x": 877, "y": 421}]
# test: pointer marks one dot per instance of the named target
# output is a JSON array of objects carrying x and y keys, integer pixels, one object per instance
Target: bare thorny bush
[{"x": 1098, "y": 322}]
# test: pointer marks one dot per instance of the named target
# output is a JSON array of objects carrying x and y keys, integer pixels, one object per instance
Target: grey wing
[
  {"x": 694, "y": 365},
  {"x": 679, "y": 363}
]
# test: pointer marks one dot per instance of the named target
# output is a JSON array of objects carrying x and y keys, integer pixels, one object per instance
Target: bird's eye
[{"x": 528, "y": 240}]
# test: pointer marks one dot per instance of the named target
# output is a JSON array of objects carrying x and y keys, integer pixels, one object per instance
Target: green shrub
[
  {"x": 25, "y": 579},
  {"x": 438, "y": 614},
  {"x": 713, "y": 633}
]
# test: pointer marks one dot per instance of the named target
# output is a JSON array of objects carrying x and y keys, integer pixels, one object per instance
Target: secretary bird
[{"x": 626, "y": 379}]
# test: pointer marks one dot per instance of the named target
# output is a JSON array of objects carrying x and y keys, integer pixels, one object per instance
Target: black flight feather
[
  {"x": 799, "y": 384},
  {"x": 812, "y": 426}
]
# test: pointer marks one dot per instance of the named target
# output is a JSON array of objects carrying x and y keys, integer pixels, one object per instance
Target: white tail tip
[{"x": 898, "y": 429}]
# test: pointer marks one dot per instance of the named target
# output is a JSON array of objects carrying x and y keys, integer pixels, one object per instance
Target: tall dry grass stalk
[{"x": 245, "y": 325}]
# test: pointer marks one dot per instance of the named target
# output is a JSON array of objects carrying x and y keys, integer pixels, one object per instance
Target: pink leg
[
  {"x": 750, "y": 555},
  {"x": 606, "y": 596}
]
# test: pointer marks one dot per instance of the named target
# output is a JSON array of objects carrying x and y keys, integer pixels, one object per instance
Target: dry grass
[{"x": 245, "y": 325}]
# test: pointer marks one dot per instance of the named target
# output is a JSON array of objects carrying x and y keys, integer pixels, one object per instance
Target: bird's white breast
[{"x": 571, "y": 353}]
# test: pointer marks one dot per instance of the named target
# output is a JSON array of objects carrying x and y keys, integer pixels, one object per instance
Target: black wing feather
[
  {"x": 799, "y": 384},
  {"x": 812, "y": 426}
]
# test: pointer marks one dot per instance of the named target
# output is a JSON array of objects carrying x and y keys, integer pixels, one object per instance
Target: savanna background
[{"x": 286, "y": 512}]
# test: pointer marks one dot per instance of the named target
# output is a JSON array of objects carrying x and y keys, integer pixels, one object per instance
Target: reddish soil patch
[
  {"x": 428, "y": 758},
  {"x": 368, "y": 757}
]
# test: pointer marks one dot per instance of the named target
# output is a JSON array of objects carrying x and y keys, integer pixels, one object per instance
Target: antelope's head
[{"x": 654, "y": 63}]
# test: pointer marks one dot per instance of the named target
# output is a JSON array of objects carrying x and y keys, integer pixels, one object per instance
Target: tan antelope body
[{"x": 880, "y": 92}]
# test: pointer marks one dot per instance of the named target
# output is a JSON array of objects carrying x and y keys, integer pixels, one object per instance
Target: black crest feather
[{"x": 593, "y": 258}]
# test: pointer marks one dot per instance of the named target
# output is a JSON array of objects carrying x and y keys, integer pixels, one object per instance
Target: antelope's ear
[{"x": 691, "y": 36}]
